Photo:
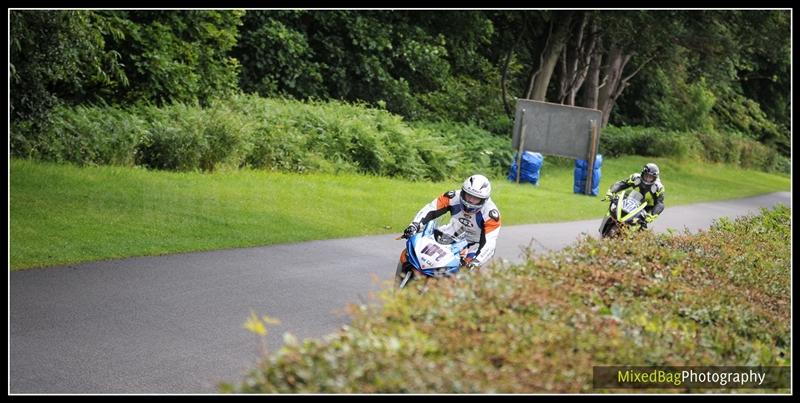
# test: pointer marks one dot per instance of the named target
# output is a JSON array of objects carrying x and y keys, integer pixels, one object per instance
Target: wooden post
[
  {"x": 592, "y": 154},
  {"x": 521, "y": 145}
]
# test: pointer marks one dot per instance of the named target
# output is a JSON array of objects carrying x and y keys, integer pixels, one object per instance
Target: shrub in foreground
[{"x": 720, "y": 297}]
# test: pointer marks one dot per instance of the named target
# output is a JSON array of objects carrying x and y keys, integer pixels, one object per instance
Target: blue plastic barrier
[
  {"x": 531, "y": 165},
  {"x": 581, "y": 167}
]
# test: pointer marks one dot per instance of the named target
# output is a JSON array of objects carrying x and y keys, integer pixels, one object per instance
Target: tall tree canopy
[{"x": 681, "y": 69}]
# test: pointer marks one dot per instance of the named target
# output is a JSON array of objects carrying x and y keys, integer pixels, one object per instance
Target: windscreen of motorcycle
[
  {"x": 432, "y": 254},
  {"x": 632, "y": 202},
  {"x": 629, "y": 205}
]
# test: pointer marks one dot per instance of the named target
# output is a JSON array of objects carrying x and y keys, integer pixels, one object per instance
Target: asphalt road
[{"x": 174, "y": 324}]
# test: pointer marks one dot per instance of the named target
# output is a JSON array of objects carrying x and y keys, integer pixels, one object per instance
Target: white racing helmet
[{"x": 474, "y": 193}]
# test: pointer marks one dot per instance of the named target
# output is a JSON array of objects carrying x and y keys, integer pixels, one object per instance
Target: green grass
[
  {"x": 64, "y": 214},
  {"x": 684, "y": 181}
]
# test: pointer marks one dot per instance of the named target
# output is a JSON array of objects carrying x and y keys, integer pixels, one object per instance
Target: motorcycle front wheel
[
  {"x": 402, "y": 277},
  {"x": 611, "y": 230}
]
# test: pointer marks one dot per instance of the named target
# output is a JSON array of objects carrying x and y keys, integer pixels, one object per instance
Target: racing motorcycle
[
  {"x": 625, "y": 209},
  {"x": 429, "y": 254}
]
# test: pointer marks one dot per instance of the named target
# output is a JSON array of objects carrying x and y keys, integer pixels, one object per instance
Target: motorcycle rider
[
  {"x": 473, "y": 215},
  {"x": 649, "y": 185}
]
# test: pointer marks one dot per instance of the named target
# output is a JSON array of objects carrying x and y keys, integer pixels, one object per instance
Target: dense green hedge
[
  {"x": 709, "y": 145},
  {"x": 294, "y": 136},
  {"x": 720, "y": 297},
  {"x": 264, "y": 133}
]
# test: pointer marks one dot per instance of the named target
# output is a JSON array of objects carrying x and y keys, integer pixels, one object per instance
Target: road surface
[{"x": 174, "y": 324}]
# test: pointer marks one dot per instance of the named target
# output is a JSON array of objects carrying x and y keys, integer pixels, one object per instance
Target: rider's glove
[
  {"x": 609, "y": 194},
  {"x": 411, "y": 230},
  {"x": 471, "y": 265}
]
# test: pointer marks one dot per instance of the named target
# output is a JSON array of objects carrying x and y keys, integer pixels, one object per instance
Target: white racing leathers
[{"x": 480, "y": 228}]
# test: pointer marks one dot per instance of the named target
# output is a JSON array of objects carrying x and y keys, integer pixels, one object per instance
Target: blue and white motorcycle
[{"x": 429, "y": 254}]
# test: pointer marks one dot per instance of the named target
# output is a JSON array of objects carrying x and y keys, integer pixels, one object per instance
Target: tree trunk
[
  {"x": 604, "y": 82},
  {"x": 612, "y": 74},
  {"x": 591, "y": 87},
  {"x": 575, "y": 63},
  {"x": 550, "y": 55},
  {"x": 503, "y": 83},
  {"x": 623, "y": 83},
  {"x": 504, "y": 76},
  {"x": 535, "y": 71},
  {"x": 585, "y": 57},
  {"x": 565, "y": 76}
]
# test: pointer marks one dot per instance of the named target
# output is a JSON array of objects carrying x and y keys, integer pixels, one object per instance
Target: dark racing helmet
[{"x": 650, "y": 173}]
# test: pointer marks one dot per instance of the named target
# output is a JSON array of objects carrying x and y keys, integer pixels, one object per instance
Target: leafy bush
[
  {"x": 174, "y": 139},
  {"x": 710, "y": 145},
  {"x": 86, "y": 135},
  {"x": 275, "y": 134},
  {"x": 719, "y": 297},
  {"x": 467, "y": 100},
  {"x": 314, "y": 136},
  {"x": 652, "y": 142},
  {"x": 335, "y": 136},
  {"x": 57, "y": 56},
  {"x": 479, "y": 150},
  {"x": 183, "y": 137},
  {"x": 276, "y": 151},
  {"x": 687, "y": 106},
  {"x": 627, "y": 140},
  {"x": 740, "y": 114},
  {"x": 275, "y": 58}
]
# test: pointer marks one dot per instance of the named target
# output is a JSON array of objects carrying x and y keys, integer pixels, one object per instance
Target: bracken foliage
[{"x": 274, "y": 134}]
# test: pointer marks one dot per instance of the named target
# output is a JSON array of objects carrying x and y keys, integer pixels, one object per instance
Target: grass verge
[{"x": 63, "y": 214}]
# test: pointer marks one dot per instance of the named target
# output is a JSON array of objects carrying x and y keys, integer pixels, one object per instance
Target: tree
[
  {"x": 119, "y": 56},
  {"x": 276, "y": 56},
  {"x": 640, "y": 37},
  {"x": 735, "y": 61},
  {"x": 576, "y": 59},
  {"x": 379, "y": 57},
  {"x": 59, "y": 56},
  {"x": 556, "y": 41},
  {"x": 177, "y": 56}
]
